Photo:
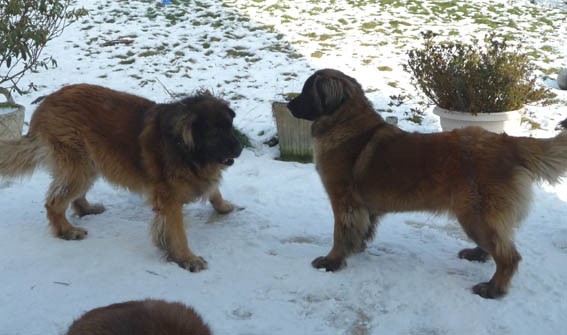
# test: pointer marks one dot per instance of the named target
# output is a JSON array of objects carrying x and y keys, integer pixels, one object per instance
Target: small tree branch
[{"x": 8, "y": 96}]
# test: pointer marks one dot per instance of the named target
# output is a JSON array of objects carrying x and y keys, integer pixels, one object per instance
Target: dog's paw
[
  {"x": 475, "y": 254},
  {"x": 194, "y": 264},
  {"x": 328, "y": 264},
  {"x": 488, "y": 290},
  {"x": 74, "y": 233},
  {"x": 361, "y": 248},
  {"x": 92, "y": 209},
  {"x": 224, "y": 208}
]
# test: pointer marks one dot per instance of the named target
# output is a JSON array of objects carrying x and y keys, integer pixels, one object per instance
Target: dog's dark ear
[
  {"x": 331, "y": 92},
  {"x": 176, "y": 122}
]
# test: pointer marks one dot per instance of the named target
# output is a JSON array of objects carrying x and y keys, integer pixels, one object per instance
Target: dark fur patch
[{"x": 145, "y": 317}]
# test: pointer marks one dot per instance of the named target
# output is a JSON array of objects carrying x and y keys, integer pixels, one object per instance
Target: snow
[{"x": 260, "y": 281}]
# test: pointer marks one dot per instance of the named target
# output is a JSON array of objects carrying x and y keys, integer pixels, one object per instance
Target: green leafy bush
[
  {"x": 25, "y": 28},
  {"x": 476, "y": 77}
]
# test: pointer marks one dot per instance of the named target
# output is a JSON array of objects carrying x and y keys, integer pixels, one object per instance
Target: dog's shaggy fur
[
  {"x": 370, "y": 168},
  {"x": 173, "y": 153},
  {"x": 145, "y": 317}
]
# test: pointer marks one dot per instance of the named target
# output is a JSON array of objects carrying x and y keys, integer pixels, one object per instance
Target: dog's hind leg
[
  {"x": 73, "y": 174},
  {"x": 370, "y": 232},
  {"x": 474, "y": 254},
  {"x": 82, "y": 207},
  {"x": 494, "y": 242},
  {"x": 219, "y": 204},
  {"x": 61, "y": 192}
]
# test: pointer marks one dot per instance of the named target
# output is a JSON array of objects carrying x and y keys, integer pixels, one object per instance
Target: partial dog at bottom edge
[
  {"x": 141, "y": 317},
  {"x": 370, "y": 168}
]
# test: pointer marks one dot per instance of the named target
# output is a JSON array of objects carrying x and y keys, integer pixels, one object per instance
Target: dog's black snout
[
  {"x": 237, "y": 149},
  {"x": 291, "y": 105}
]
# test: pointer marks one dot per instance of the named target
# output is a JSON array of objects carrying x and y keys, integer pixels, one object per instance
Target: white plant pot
[
  {"x": 502, "y": 122},
  {"x": 562, "y": 79}
]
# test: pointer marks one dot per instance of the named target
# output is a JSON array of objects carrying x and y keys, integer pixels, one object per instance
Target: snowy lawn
[{"x": 260, "y": 281}]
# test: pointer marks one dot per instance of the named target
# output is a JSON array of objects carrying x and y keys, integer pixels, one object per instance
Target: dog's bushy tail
[
  {"x": 20, "y": 157},
  {"x": 546, "y": 159}
]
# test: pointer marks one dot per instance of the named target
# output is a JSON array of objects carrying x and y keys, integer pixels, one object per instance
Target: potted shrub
[
  {"x": 25, "y": 28},
  {"x": 485, "y": 84}
]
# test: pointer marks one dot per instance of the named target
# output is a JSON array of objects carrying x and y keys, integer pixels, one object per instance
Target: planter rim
[
  {"x": 457, "y": 115},
  {"x": 14, "y": 107}
]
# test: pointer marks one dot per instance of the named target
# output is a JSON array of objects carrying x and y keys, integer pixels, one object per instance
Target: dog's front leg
[
  {"x": 219, "y": 204},
  {"x": 351, "y": 229},
  {"x": 169, "y": 235}
]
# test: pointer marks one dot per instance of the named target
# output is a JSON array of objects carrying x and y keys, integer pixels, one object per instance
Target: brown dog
[
  {"x": 173, "y": 153},
  {"x": 145, "y": 317},
  {"x": 370, "y": 168}
]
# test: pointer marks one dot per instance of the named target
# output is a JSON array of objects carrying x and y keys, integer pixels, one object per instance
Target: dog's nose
[
  {"x": 239, "y": 150},
  {"x": 290, "y": 104}
]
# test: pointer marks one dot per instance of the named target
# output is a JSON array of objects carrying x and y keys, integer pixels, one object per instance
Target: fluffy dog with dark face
[
  {"x": 173, "y": 153},
  {"x": 370, "y": 168},
  {"x": 143, "y": 317}
]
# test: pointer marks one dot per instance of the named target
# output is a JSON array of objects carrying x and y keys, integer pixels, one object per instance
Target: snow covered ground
[{"x": 259, "y": 281}]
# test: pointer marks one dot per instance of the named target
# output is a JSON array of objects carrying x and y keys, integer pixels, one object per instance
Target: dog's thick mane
[{"x": 200, "y": 96}]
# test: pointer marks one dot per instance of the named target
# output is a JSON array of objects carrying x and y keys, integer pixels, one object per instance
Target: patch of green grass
[
  {"x": 242, "y": 138},
  {"x": 384, "y": 68},
  {"x": 267, "y": 27},
  {"x": 148, "y": 53},
  {"x": 513, "y": 11},
  {"x": 415, "y": 118},
  {"x": 393, "y": 84},
  {"x": 546, "y": 21},
  {"x": 369, "y": 25},
  {"x": 512, "y": 24},
  {"x": 289, "y": 157},
  {"x": 151, "y": 14},
  {"x": 441, "y": 7},
  {"x": 317, "y": 37},
  {"x": 127, "y": 61},
  {"x": 483, "y": 20},
  {"x": 397, "y": 23},
  {"x": 317, "y": 54},
  {"x": 7, "y": 105},
  {"x": 238, "y": 52},
  {"x": 547, "y": 48},
  {"x": 533, "y": 124}
]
